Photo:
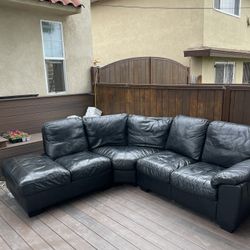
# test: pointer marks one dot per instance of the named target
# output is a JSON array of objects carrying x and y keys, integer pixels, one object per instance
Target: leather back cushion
[
  {"x": 64, "y": 137},
  {"x": 187, "y": 136},
  {"x": 108, "y": 130},
  {"x": 148, "y": 131},
  {"x": 226, "y": 143}
]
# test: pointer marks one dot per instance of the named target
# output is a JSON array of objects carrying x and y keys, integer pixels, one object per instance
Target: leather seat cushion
[
  {"x": 226, "y": 144},
  {"x": 161, "y": 165},
  {"x": 31, "y": 174},
  {"x": 106, "y": 130},
  {"x": 196, "y": 179},
  {"x": 148, "y": 131},
  {"x": 187, "y": 136},
  {"x": 125, "y": 157},
  {"x": 84, "y": 164},
  {"x": 64, "y": 137}
]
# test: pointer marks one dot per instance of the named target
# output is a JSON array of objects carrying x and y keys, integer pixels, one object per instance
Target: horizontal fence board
[
  {"x": 29, "y": 114},
  {"x": 211, "y": 101},
  {"x": 240, "y": 106}
]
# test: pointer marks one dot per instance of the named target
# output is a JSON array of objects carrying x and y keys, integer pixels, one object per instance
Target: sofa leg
[{"x": 35, "y": 213}]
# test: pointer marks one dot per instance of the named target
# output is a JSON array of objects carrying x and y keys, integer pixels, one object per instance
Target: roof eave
[
  {"x": 217, "y": 52},
  {"x": 57, "y": 9}
]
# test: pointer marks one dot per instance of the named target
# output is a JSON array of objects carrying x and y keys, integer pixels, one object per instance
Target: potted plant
[{"x": 16, "y": 135}]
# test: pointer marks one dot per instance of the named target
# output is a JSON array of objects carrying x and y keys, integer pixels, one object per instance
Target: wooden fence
[
  {"x": 142, "y": 70},
  {"x": 215, "y": 102},
  {"x": 29, "y": 114}
]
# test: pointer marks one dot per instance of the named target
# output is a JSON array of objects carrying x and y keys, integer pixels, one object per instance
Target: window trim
[
  {"x": 224, "y": 12},
  {"x": 234, "y": 69},
  {"x": 54, "y": 58}
]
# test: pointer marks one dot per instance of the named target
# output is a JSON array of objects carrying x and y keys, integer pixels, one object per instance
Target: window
[
  {"x": 231, "y": 7},
  {"x": 246, "y": 72},
  {"x": 53, "y": 55},
  {"x": 224, "y": 72}
]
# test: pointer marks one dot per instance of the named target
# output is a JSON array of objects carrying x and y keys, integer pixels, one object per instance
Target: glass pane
[
  {"x": 57, "y": 32},
  {"x": 217, "y": 4},
  {"x": 55, "y": 75},
  {"x": 48, "y": 49},
  {"x": 46, "y": 29},
  {"x": 228, "y": 6},
  {"x": 52, "y": 39},
  {"x": 237, "y": 8},
  {"x": 57, "y": 49},
  {"x": 246, "y": 73},
  {"x": 219, "y": 73},
  {"x": 229, "y": 73}
]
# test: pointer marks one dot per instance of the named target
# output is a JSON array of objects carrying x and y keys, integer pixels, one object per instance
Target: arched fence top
[{"x": 142, "y": 70}]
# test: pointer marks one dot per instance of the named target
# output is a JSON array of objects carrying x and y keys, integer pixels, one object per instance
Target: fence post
[{"x": 95, "y": 77}]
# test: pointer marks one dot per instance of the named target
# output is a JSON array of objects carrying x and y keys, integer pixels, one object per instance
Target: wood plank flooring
[{"x": 122, "y": 217}]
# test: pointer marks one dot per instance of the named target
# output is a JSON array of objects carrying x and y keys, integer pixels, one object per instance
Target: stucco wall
[
  {"x": 21, "y": 61},
  {"x": 226, "y": 31},
  {"x": 124, "y": 32},
  {"x": 120, "y": 33}
]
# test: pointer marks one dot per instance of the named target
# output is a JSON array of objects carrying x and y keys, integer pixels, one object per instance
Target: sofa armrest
[
  {"x": 233, "y": 205},
  {"x": 234, "y": 175}
]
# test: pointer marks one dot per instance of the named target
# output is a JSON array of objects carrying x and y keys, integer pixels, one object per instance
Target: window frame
[
  {"x": 224, "y": 12},
  {"x": 54, "y": 58},
  {"x": 225, "y": 63}
]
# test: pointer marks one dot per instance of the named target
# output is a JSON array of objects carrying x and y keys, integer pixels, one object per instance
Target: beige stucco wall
[
  {"x": 21, "y": 54},
  {"x": 120, "y": 33},
  {"x": 226, "y": 31}
]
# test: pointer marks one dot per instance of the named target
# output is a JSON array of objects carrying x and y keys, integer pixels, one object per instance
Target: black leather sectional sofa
[{"x": 200, "y": 164}]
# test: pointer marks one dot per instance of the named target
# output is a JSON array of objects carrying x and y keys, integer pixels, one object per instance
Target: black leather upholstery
[
  {"x": 226, "y": 144},
  {"x": 124, "y": 176},
  {"x": 125, "y": 157},
  {"x": 159, "y": 186},
  {"x": 36, "y": 203},
  {"x": 187, "y": 136},
  {"x": 218, "y": 186},
  {"x": 196, "y": 179},
  {"x": 233, "y": 205},
  {"x": 32, "y": 174},
  {"x": 237, "y": 174},
  {"x": 64, "y": 137},
  {"x": 148, "y": 131},
  {"x": 106, "y": 130},
  {"x": 197, "y": 203},
  {"x": 161, "y": 165},
  {"x": 85, "y": 164}
]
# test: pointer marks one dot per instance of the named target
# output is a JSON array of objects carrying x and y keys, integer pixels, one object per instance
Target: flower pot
[{"x": 15, "y": 140}]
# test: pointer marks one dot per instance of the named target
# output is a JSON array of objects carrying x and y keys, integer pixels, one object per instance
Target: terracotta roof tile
[{"x": 75, "y": 3}]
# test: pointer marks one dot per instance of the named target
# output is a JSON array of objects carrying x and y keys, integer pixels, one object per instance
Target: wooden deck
[{"x": 119, "y": 218}]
